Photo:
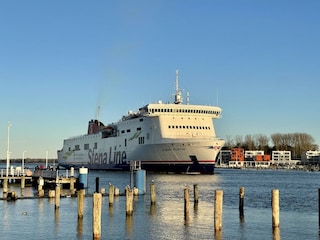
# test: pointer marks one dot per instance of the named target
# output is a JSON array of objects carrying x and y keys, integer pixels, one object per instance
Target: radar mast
[{"x": 178, "y": 95}]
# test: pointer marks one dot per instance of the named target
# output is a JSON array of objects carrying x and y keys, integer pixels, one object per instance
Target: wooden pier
[{"x": 41, "y": 179}]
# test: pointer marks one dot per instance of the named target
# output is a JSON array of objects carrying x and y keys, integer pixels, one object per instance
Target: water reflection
[
  {"x": 80, "y": 227},
  {"x": 276, "y": 233},
  {"x": 129, "y": 224}
]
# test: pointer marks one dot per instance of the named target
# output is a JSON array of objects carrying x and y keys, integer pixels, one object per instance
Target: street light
[
  {"x": 23, "y": 162},
  {"x": 46, "y": 159},
  {"x": 8, "y": 151}
]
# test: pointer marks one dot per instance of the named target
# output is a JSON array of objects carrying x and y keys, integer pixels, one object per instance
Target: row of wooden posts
[
  {"x": 97, "y": 203},
  {"x": 129, "y": 193},
  {"x": 218, "y": 206}
]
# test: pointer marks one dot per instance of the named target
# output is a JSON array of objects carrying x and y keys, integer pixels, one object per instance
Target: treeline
[{"x": 294, "y": 142}]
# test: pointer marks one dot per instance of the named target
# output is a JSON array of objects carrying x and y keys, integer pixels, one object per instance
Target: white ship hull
[
  {"x": 179, "y": 156},
  {"x": 163, "y": 137}
]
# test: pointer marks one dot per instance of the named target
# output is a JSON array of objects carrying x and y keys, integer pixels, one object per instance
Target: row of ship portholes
[
  {"x": 184, "y": 111},
  {"x": 189, "y": 127}
]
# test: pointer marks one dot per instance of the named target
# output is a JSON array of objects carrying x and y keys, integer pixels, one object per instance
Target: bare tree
[
  {"x": 229, "y": 142},
  {"x": 249, "y": 142},
  {"x": 262, "y": 142},
  {"x": 276, "y": 139},
  {"x": 239, "y": 141}
]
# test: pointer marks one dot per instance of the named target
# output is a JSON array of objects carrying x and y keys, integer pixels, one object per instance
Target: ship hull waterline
[{"x": 176, "y": 158}]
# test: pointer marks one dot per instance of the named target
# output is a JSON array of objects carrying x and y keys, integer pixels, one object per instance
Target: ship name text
[{"x": 111, "y": 157}]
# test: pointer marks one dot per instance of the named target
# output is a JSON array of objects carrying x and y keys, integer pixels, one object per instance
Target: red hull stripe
[{"x": 178, "y": 162}]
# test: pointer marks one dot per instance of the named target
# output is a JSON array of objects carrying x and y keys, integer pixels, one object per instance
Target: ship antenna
[
  {"x": 177, "y": 97},
  {"x": 188, "y": 98}
]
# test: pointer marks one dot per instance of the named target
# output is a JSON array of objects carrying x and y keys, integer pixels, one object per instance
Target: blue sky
[{"x": 60, "y": 60}]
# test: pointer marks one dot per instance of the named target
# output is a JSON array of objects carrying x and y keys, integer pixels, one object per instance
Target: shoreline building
[{"x": 310, "y": 157}]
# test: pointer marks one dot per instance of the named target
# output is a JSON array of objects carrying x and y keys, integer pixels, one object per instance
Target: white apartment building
[
  {"x": 281, "y": 157},
  {"x": 311, "y": 157},
  {"x": 251, "y": 154}
]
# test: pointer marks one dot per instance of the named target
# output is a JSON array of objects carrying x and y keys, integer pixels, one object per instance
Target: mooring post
[
  {"x": 319, "y": 208},
  {"x": 153, "y": 193},
  {"x": 129, "y": 201},
  {"x": 111, "y": 194},
  {"x": 23, "y": 179},
  {"x": 186, "y": 203},
  {"x": 72, "y": 189},
  {"x": 5, "y": 185},
  {"x": 97, "y": 185},
  {"x": 116, "y": 192},
  {"x": 218, "y": 203},
  {"x": 57, "y": 197},
  {"x": 195, "y": 193},
  {"x": 241, "y": 201},
  {"x": 96, "y": 215},
  {"x": 80, "y": 203},
  {"x": 275, "y": 208}
]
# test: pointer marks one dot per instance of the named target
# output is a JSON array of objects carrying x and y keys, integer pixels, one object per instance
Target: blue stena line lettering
[{"x": 117, "y": 157}]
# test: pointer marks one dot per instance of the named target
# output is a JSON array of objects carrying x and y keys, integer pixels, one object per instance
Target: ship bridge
[{"x": 158, "y": 109}]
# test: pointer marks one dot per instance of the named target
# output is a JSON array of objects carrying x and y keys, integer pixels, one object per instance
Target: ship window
[
  {"x": 139, "y": 129},
  {"x": 141, "y": 140},
  {"x": 128, "y": 130},
  {"x": 69, "y": 149},
  {"x": 177, "y": 127},
  {"x": 122, "y": 131},
  {"x": 141, "y": 119},
  {"x": 125, "y": 142},
  {"x": 95, "y": 145},
  {"x": 77, "y": 147},
  {"x": 169, "y": 126},
  {"x": 86, "y": 146}
]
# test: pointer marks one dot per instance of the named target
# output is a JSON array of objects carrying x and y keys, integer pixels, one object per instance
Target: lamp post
[
  {"x": 23, "y": 162},
  {"x": 46, "y": 159},
  {"x": 8, "y": 151}
]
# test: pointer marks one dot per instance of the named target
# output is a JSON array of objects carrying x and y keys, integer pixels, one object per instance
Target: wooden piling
[
  {"x": 129, "y": 201},
  {"x": 96, "y": 215},
  {"x": 153, "y": 193},
  {"x": 111, "y": 194},
  {"x": 186, "y": 203},
  {"x": 80, "y": 203},
  {"x": 241, "y": 201},
  {"x": 275, "y": 208},
  {"x": 97, "y": 184},
  {"x": 51, "y": 193},
  {"x": 218, "y": 203},
  {"x": 135, "y": 191},
  {"x": 319, "y": 208},
  {"x": 116, "y": 192},
  {"x": 72, "y": 189},
  {"x": 195, "y": 194},
  {"x": 57, "y": 197},
  {"x": 23, "y": 180},
  {"x": 5, "y": 185}
]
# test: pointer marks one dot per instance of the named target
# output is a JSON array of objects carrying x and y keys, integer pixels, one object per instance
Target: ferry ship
[{"x": 161, "y": 137}]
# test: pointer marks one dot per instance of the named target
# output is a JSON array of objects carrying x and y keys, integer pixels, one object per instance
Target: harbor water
[{"x": 37, "y": 218}]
